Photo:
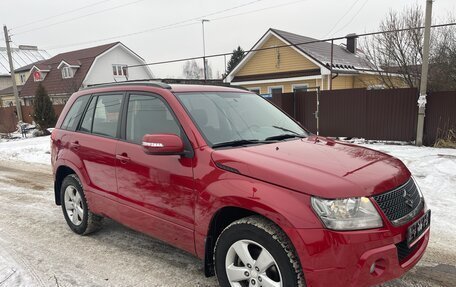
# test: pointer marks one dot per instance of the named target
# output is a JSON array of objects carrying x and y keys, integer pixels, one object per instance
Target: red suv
[{"x": 227, "y": 176}]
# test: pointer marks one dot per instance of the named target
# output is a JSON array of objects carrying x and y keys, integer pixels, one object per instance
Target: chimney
[{"x": 352, "y": 40}]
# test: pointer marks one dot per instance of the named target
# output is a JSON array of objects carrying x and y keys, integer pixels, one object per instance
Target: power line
[
  {"x": 259, "y": 10},
  {"x": 164, "y": 27},
  {"x": 174, "y": 25},
  {"x": 61, "y": 14},
  {"x": 122, "y": 36},
  {"x": 340, "y": 19},
  {"x": 291, "y": 45},
  {"x": 353, "y": 18},
  {"x": 79, "y": 17}
]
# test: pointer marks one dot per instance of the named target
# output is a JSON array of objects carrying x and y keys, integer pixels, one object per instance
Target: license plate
[{"x": 417, "y": 229}]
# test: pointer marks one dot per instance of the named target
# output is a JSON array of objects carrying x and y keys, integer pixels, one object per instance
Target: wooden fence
[
  {"x": 8, "y": 117},
  {"x": 371, "y": 114}
]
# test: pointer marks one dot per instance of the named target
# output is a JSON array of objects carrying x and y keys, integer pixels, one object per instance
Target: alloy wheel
[
  {"x": 248, "y": 264},
  {"x": 73, "y": 205}
]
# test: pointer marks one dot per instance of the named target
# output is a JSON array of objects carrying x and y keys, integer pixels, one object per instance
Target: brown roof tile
[
  {"x": 53, "y": 81},
  {"x": 9, "y": 91}
]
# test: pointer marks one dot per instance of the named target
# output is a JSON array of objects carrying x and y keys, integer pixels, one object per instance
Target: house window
[
  {"x": 23, "y": 78},
  {"x": 275, "y": 90},
  {"x": 299, "y": 88},
  {"x": 120, "y": 70},
  {"x": 67, "y": 73}
]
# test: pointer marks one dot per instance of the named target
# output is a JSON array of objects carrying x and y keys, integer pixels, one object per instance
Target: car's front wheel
[
  {"x": 75, "y": 209},
  {"x": 254, "y": 252}
]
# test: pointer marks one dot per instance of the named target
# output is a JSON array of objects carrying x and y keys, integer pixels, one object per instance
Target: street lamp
[{"x": 204, "y": 49}]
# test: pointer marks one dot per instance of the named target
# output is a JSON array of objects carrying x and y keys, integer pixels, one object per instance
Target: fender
[
  {"x": 83, "y": 177},
  {"x": 254, "y": 196}
]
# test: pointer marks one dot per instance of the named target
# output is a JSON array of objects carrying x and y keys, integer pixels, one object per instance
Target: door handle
[
  {"x": 123, "y": 158},
  {"x": 75, "y": 145}
]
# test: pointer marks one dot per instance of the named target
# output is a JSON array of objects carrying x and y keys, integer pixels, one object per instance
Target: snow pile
[{"x": 33, "y": 150}]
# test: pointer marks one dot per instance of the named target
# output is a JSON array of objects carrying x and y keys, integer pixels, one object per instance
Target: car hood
[{"x": 317, "y": 166}]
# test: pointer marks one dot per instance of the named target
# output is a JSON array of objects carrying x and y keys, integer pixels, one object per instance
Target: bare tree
[
  {"x": 191, "y": 70},
  {"x": 442, "y": 71},
  {"x": 397, "y": 56}
]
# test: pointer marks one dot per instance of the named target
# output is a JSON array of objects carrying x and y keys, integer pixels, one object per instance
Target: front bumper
[{"x": 331, "y": 258}]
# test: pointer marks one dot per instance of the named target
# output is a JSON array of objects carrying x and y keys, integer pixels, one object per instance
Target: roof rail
[{"x": 145, "y": 82}]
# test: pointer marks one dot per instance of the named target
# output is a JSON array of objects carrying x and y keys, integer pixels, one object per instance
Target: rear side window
[
  {"x": 148, "y": 115},
  {"x": 102, "y": 116},
  {"x": 74, "y": 114}
]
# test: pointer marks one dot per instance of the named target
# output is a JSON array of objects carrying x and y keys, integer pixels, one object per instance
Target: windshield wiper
[
  {"x": 238, "y": 143},
  {"x": 285, "y": 130},
  {"x": 284, "y": 136}
]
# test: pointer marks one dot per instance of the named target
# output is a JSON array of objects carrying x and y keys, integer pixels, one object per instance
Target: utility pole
[
  {"x": 424, "y": 75},
  {"x": 13, "y": 76},
  {"x": 204, "y": 49},
  {"x": 331, "y": 66}
]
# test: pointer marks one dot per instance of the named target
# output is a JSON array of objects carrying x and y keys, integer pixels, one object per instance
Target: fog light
[{"x": 378, "y": 267}]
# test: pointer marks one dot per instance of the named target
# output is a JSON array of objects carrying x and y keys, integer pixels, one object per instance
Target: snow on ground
[
  {"x": 32, "y": 150},
  {"x": 28, "y": 258},
  {"x": 433, "y": 168}
]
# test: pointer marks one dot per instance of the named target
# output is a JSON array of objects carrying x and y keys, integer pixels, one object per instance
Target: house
[
  {"x": 66, "y": 73},
  {"x": 7, "y": 97},
  {"x": 302, "y": 66},
  {"x": 22, "y": 56}
]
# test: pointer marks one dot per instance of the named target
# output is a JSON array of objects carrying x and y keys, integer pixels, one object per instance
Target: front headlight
[{"x": 347, "y": 214}]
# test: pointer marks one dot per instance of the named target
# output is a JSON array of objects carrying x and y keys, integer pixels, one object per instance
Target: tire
[
  {"x": 254, "y": 251},
  {"x": 75, "y": 209}
]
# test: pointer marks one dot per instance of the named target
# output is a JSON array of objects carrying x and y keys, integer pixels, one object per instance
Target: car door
[
  {"x": 95, "y": 145},
  {"x": 159, "y": 189}
]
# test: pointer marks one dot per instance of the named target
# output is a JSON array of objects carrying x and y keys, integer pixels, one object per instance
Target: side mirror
[{"x": 163, "y": 144}]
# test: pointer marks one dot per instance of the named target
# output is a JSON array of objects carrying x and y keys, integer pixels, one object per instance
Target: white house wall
[{"x": 101, "y": 70}]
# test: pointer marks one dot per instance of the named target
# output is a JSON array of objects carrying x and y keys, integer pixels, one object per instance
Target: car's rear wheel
[
  {"x": 75, "y": 209},
  {"x": 254, "y": 252}
]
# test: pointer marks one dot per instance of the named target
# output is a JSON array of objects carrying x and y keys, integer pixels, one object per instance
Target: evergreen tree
[
  {"x": 43, "y": 112},
  {"x": 238, "y": 55}
]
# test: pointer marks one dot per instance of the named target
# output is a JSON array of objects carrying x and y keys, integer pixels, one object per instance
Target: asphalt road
[{"x": 38, "y": 249}]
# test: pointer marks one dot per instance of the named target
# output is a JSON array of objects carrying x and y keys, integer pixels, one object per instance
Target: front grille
[
  {"x": 403, "y": 251},
  {"x": 400, "y": 202}
]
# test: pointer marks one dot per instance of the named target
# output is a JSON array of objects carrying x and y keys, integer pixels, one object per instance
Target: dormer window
[
  {"x": 67, "y": 73},
  {"x": 38, "y": 73},
  {"x": 68, "y": 69},
  {"x": 38, "y": 76},
  {"x": 120, "y": 70}
]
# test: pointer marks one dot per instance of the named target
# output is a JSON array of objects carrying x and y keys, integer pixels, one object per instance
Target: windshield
[{"x": 226, "y": 117}]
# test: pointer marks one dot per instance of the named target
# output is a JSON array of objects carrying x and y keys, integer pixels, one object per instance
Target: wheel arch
[
  {"x": 226, "y": 215},
  {"x": 62, "y": 171}
]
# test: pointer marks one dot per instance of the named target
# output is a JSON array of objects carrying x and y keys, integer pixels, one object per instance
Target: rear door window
[
  {"x": 102, "y": 115},
  {"x": 106, "y": 116}
]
